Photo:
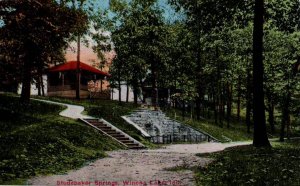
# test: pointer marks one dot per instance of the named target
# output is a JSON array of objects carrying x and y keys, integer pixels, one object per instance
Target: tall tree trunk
[
  {"x": 135, "y": 87},
  {"x": 209, "y": 101},
  {"x": 40, "y": 81},
  {"x": 229, "y": 103},
  {"x": 78, "y": 75},
  {"x": 154, "y": 85},
  {"x": 260, "y": 138},
  {"x": 220, "y": 105},
  {"x": 27, "y": 74},
  {"x": 249, "y": 97},
  {"x": 248, "y": 115},
  {"x": 198, "y": 107},
  {"x": 270, "y": 111},
  {"x": 199, "y": 69},
  {"x": 191, "y": 109},
  {"x": 285, "y": 119},
  {"x": 120, "y": 91},
  {"x": 219, "y": 87},
  {"x": 127, "y": 92},
  {"x": 26, "y": 81},
  {"x": 239, "y": 89},
  {"x": 119, "y": 81},
  {"x": 183, "y": 110},
  {"x": 143, "y": 90},
  {"x": 215, "y": 103},
  {"x": 42, "y": 86},
  {"x": 38, "y": 85},
  {"x": 288, "y": 126},
  {"x": 135, "y": 94}
]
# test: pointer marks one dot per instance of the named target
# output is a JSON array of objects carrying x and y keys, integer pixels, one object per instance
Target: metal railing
[{"x": 192, "y": 138}]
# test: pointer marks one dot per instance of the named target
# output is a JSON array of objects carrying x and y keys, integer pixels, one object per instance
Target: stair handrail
[
  {"x": 143, "y": 132},
  {"x": 118, "y": 130}
]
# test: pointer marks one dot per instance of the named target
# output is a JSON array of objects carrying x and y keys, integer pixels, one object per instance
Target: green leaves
[
  {"x": 118, "y": 6},
  {"x": 138, "y": 37},
  {"x": 36, "y": 30}
]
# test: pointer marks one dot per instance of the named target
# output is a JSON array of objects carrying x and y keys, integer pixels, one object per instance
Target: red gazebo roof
[{"x": 72, "y": 65}]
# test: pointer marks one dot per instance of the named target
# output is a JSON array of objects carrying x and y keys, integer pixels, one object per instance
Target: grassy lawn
[
  {"x": 247, "y": 165},
  {"x": 34, "y": 140}
]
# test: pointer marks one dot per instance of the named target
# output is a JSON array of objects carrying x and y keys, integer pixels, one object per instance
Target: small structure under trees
[{"x": 62, "y": 81}]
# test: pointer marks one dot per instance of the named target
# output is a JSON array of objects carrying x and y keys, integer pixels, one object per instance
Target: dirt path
[{"x": 143, "y": 167}]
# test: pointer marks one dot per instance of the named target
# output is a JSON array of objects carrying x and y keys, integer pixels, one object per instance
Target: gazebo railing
[{"x": 65, "y": 88}]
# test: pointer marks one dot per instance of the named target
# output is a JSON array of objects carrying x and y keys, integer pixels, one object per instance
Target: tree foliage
[{"x": 34, "y": 34}]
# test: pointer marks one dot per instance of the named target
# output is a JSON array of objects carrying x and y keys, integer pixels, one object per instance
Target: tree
[
  {"x": 41, "y": 29},
  {"x": 260, "y": 138},
  {"x": 222, "y": 39},
  {"x": 80, "y": 6},
  {"x": 138, "y": 35}
]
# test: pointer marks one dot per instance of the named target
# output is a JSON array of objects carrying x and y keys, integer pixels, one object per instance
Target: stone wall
[{"x": 162, "y": 129}]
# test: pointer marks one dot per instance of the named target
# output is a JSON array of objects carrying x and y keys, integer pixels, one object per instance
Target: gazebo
[{"x": 62, "y": 81}]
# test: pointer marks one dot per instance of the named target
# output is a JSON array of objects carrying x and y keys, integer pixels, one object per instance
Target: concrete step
[
  {"x": 126, "y": 141},
  {"x": 106, "y": 128},
  {"x": 110, "y": 132},
  {"x": 123, "y": 138},
  {"x": 99, "y": 124},
  {"x": 132, "y": 144},
  {"x": 115, "y": 134},
  {"x": 92, "y": 120},
  {"x": 118, "y": 135}
]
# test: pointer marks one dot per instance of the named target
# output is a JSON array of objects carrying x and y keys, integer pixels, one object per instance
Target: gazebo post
[
  {"x": 63, "y": 80},
  {"x": 101, "y": 86},
  {"x": 78, "y": 75}
]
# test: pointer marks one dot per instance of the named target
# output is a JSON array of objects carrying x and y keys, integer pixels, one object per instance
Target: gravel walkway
[
  {"x": 139, "y": 167},
  {"x": 72, "y": 111}
]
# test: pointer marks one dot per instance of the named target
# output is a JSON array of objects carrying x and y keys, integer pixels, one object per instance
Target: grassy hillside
[
  {"x": 110, "y": 111},
  {"x": 35, "y": 140},
  {"x": 236, "y": 132}
]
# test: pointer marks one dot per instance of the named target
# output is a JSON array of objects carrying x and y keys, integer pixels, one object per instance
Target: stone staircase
[
  {"x": 155, "y": 125},
  {"x": 109, "y": 130}
]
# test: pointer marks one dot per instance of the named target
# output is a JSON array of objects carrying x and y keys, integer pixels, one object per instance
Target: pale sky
[{"x": 169, "y": 13}]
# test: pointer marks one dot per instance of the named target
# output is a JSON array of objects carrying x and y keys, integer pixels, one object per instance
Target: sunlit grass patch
[{"x": 247, "y": 165}]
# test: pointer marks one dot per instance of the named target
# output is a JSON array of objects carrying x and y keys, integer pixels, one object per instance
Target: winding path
[
  {"x": 136, "y": 167},
  {"x": 72, "y": 111}
]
